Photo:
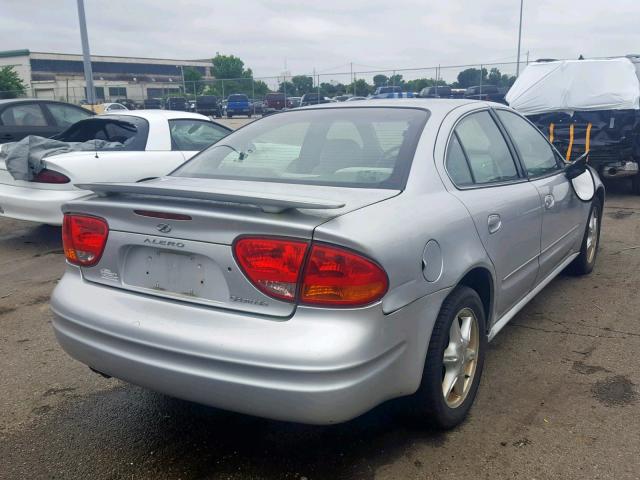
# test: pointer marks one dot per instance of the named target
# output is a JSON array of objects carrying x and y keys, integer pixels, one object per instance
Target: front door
[{"x": 563, "y": 211}]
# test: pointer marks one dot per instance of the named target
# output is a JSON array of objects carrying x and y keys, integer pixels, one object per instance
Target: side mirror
[
  {"x": 581, "y": 178},
  {"x": 577, "y": 167}
]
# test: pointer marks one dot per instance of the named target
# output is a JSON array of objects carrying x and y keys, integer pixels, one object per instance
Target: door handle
[
  {"x": 494, "y": 223},
  {"x": 549, "y": 201}
]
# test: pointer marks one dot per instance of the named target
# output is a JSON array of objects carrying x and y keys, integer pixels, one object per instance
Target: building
[{"x": 60, "y": 76}]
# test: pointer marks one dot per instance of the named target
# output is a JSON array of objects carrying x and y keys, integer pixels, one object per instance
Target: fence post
[{"x": 480, "y": 79}]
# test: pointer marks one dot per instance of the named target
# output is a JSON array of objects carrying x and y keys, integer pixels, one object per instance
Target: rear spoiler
[{"x": 271, "y": 203}]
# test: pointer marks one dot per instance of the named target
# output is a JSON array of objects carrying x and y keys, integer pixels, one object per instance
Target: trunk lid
[{"x": 192, "y": 260}]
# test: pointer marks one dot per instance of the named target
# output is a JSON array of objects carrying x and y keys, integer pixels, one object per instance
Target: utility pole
[
  {"x": 519, "y": 39},
  {"x": 86, "y": 54},
  {"x": 352, "y": 81}
]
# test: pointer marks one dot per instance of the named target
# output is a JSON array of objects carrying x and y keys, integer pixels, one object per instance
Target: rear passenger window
[
  {"x": 457, "y": 164},
  {"x": 534, "y": 150},
  {"x": 489, "y": 157},
  {"x": 24, "y": 115}
]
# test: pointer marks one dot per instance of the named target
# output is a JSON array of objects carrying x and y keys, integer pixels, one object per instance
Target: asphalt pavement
[{"x": 559, "y": 397}]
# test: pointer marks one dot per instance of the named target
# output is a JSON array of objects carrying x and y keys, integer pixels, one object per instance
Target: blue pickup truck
[{"x": 238, "y": 104}]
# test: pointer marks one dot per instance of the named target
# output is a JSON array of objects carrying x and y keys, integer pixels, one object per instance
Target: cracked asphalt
[{"x": 559, "y": 398}]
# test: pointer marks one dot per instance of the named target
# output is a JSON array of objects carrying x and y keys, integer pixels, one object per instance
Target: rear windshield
[
  {"x": 275, "y": 96},
  {"x": 364, "y": 147},
  {"x": 238, "y": 98},
  {"x": 130, "y": 131}
]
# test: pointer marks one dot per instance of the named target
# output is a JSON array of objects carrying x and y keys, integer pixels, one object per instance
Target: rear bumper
[
  {"x": 35, "y": 205},
  {"x": 319, "y": 367}
]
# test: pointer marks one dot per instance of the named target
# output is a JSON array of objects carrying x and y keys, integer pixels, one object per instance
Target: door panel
[
  {"x": 513, "y": 213},
  {"x": 561, "y": 221}
]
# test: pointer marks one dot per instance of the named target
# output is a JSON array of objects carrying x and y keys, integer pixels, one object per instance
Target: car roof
[
  {"x": 435, "y": 105},
  {"x": 155, "y": 115},
  {"x": 24, "y": 100}
]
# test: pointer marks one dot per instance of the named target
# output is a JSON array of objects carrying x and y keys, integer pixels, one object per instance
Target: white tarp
[{"x": 576, "y": 85}]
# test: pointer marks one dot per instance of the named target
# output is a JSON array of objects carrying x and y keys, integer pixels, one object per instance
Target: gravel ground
[{"x": 559, "y": 397}]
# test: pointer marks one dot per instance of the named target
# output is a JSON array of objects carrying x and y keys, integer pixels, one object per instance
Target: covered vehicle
[
  {"x": 586, "y": 105},
  {"x": 37, "y": 177},
  {"x": 238, "y": 104},
  {"x": 318, "y": 262}
]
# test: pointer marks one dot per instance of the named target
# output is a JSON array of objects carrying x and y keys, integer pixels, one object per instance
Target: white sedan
[{"x": 155, "y": 142}]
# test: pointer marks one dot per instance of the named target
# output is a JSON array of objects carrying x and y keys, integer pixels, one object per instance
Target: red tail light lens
[
  {"x": 50, "y": 176},
  {"x": 272, "y": 265},
  {"x": 83, "y": 239},
  {"x": 337, "y": 277},
  {"x": 331, "y": 276}
]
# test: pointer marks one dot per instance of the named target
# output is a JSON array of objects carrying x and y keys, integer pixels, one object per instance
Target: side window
[
  {"x": 66, "y": 116},
  {"x": 194, "y": 135},
  {"x": 489, "y": 157},
  {"x": 534, "y": 150},
  {"x": 24, "y": 115},
  {"x": 457, "y": 164}
]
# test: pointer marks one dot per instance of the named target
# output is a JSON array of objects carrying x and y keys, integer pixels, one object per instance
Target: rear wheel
[
  {"x": 454, "y": 362},
  {"x": 586, "y": 260}
]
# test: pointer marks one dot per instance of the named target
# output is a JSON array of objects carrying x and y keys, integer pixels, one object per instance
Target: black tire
[
  {"x": 428, "y": 405},
  {"x": 584, "y": 263},
  {"x": 635, "y": 184}
]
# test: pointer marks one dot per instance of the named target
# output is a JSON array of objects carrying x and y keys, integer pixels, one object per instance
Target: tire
[
  {"x": 249, "y": 116},
  {"x": 229, "y": 116},
  {"x": 586, "y": 260},
  {"x": 429, "y": 405},
  {"x": 635, "y": 184}
]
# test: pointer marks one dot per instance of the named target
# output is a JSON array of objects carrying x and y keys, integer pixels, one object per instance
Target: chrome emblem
[{"x": 163, "y": 228}]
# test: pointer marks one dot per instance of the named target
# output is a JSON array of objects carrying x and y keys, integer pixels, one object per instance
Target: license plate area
[{"x": 175, "y": 273}]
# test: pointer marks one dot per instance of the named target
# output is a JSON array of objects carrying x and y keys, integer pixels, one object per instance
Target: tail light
[
  {"x": 316, "y": 274},
  {"x": 50, "y": 176},
  {"x": 272, "y": 265},
  {"x": 83, "y": 239}
]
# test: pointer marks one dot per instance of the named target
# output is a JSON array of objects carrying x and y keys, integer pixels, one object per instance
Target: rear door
[
  {"x": 505, "y": 207},
  {"x": 563, "y": 217},
  {"x": 25, "y": 118}
]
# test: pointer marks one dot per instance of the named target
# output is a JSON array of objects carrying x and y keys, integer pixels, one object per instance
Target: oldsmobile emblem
[{"x": 163, "y": 227}]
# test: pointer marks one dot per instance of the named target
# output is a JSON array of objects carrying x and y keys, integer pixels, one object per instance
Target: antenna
[{"x": 95, "y": 147}]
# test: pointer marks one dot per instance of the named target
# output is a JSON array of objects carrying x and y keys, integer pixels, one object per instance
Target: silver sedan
[{"x": 318, "y": 262}]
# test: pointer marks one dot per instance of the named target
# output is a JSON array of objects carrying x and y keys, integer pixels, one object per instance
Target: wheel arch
[{"x": 480, "y": 279}]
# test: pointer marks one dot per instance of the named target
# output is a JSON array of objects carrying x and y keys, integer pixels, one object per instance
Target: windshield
[
  {"x": 130, "y": 131},
  {"x": 366, "y": 147}
]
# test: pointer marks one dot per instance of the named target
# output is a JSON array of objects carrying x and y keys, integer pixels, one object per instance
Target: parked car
[
  {"x": 436, "y": 92},
  {"x": 489, "y": 93},
  {"x": 209, "y": 105},
  {"x": 152, "y": 104},
  {"x": 127, "y": 102},
  {"x": 343, "y": 98},
  {"x": 176, "y": 103},
  {"x": 293, "y": 102},
  {"x": 238, "y": 104},
  {"x": 313, "y": 99},
  {"x": 153, "y": 144},
  {"x": 312, "y": 287},
  {"x": 28, "y": 116},
  {"x": 387, "y": 89},
  {"x": 273, "y": 102},
  {"x": 257, "y": 107},
  {"x": 112, "y": 107},
  {"x": 355, "y": 99}
]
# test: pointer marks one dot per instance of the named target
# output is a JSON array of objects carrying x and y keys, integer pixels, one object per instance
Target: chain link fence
[{"x": 356, "y": 82}]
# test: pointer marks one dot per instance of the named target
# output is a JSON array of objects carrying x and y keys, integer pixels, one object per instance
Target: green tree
[
  {"x": 289, "y": 88},
  {"x": 471, "y": 77},
  {"x": 396, "y": 80},
  {"x": 360, "y": 88},
  {"x": 500, "y": 79},
  {"x": 229, "y": 66},
  {"x": 303, "y": 84},
  {"x": 11, "y": 85},
  {"x": 380, "y": 80},
  {"x": 193, "y": 81}
]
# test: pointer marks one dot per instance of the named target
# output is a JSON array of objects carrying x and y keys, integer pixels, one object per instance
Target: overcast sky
[{"x": 327, "y": 34}]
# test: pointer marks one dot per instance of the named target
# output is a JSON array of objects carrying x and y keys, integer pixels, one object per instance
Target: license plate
[{"x": 186, "y": 274}]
